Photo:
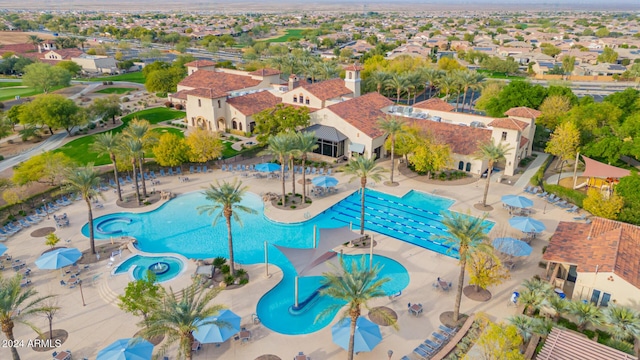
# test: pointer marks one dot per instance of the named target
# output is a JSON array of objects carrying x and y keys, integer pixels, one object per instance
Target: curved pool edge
[{"x": 187, "y": 264}]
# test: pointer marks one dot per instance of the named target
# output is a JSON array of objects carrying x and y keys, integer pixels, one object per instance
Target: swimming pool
[
  {"x": 165, "y": 267},
  {"x": 176, "y": 227}
]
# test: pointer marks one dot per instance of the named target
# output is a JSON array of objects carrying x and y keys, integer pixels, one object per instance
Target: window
[
  {"x": 240, "y": 126},
  {"x": 468, "y": 167},
  {"x": 330, "y": 148},
  {"x": 295, "y": 98},
  {"x": 461, "y": 165},
  {"x": 349, "y": 75},
  {"x": 504, "y": 136},
  {"x": 219, "y": 104},
  {"x": 306, "y": 101},
  {"x": 234, "y": 125},
  {"x": 199, "y": 103},
  {"x": 301, "y": 99}
]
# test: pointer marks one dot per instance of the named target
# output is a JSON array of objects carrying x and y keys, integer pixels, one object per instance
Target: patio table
[
  {"x": 415, "y": 309},
  {"x": 63, "y": 355}
]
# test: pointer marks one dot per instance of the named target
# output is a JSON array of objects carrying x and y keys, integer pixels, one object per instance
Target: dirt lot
[{"x": 16, "y": 37}]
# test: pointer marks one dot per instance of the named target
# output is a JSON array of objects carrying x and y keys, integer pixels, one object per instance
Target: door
[
  {"x": 595, "y": 295},
  {"x": 461, "y": 165},
  {"x": 605, "y": 299}
]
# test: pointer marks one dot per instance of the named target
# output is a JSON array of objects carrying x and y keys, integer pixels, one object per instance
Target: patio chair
[
  {"x": 198, "y": 169},
  {"x": 573, "y": 209},
  {"x": 23, "y": 223},
  {"x": 170, "y": 171},
  {"x": 178, "y": 170},
  {"x": 162, "y": 172},
  {"x": 542, "y": 194},
  {"x": 191, "y": 169},
  {"x": 321, "y": 171},
  {"x": 562, "y": 203},
  {"x": 430, "y": 343},
  {"x": 528, "y": 189},
  {"x": 129, "y": 180},
  {"x": 152, "y": 174},
  {"x": 204, "y": 169},
  {"x": 329, "y": 172}
]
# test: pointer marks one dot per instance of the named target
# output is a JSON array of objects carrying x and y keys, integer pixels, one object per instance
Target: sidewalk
[{"x": 531, "y": 170}]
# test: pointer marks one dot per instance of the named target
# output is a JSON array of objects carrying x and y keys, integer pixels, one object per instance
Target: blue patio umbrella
[
  {"x": 526, "y": 224},
  {"x": 58, "y": 258},
  {"x": 267, "y": 167},
  {"x": 511, "y": 246},
  {"x": 2, "y": 249},
  {"x": 228, "y": 324},
  {"x": 127, "y": 349},
  {"x": 325, "y": 181},
  {"x": 366, "y": 338},
  {"x": 517, "y": 201}
]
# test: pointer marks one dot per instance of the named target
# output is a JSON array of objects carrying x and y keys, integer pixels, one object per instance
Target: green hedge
[
  {"x": 573, "y": 196},
  {"x": 538, "y": 177}
]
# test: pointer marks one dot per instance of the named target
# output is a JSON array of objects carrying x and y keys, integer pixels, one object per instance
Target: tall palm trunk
[
  {"x": 135, "y": 180},
  {"x": 7, "y": 329},
  {"x": 379, "y": 87},
  {"x": 457, "y": 101},
  {"x": 354, "y": 320},
  {"x": 115, "y": 174},
  {"x": 486, "y": 185},
  {"x": 304, "y": 179},
  {"x": 293, "y": 176},
  {"x": 144, "y": 186},
  {"x": 398, "y": 93},
  {"x": 92, "y": 242},
  {"x": 464, "y": 98},
  {"x": 456, "y": 306},
  {"x": 363, "y": 185},
  {"x": 282, "y": 180},
  {"x": 227, "y": 215},
  {"x": 393, "y": 145},
  {"x": 430, "y": 88}
]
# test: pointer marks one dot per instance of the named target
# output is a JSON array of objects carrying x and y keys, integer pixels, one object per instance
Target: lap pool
[{"x": 176, "y": 227}]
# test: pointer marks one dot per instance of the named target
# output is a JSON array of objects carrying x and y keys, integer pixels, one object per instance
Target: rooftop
[
  {"x": 254, "y": 103},
  {"x": 434, "y": 104},
  {"x": 523, "y": 112},
  {"x": 363, "y": 112},
  {"x": 462, "y": 140},
  {"x": 220, "y": 81},
  {"x": 508, "y": 123},
  {"x": 328, "y": 89}
]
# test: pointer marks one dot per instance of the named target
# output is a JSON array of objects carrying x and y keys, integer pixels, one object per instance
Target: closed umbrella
[
  {"x": 526, "y": 224},
  {"x": 267, "y": 167},
  {"x": 127, "y": 349},
  {"x": 511, "y": 246},
  {"x": 217, "y": 329},
  {"x": 3, "y": 249},
  {"x": 325, "y": 181},
  {"x": 517, "y": 201},
  {"x": 58, "y": 258},
  {"x": 367, "y": 335}
]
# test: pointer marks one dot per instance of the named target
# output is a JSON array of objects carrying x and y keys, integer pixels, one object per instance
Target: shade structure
[
  {"x": 511, "y": 246},
  {"x": 127, "y": 349},
  {"x": 367, "y": 335},
  {"x": 517, "y": 201},
  {"x": 58, "y": 258},
  {"x": 267, "y": 167},
  {"x": 526, "y": 224},
  {"x": 325, "y": 181},
  {"x": 228, "y": 324},
  {"x": 3, "y": 249}
]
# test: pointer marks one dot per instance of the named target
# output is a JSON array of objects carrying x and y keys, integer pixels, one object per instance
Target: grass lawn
[
  {"x": 115, "y": 90},
  {"x": 227, "y": 151},
  {"x": 10, "y": 84},
  {"x": 288, "y": 34},
  {"x": 10, "y": 93},
  {"x": 80, "y": 149},
  {"x": 499, "y": 75},
  {"x": 136, "y": 77}
]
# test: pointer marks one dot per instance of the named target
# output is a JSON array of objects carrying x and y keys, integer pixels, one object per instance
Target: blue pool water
[
  {"x": 142, "y": 263},
  {"x": 176, "y": 227}
]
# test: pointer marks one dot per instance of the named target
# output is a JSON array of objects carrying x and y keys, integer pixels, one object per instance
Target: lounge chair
[
  {"x": 170, "y": 171},
  {"x": 321, "y": 172},
  {"x": 421, "y": 353},
  {"x": 205, "y": 170},
  {"x": 23, "y": 223},
  {"x": 542, "y": 194},
  {"x": 178, "y": 170},
  {"x": 432, "y": 344},
  {"x": 41, "y": 213},
  {"x": 440, "y": 337},
  {"x": 447, "y": 330},
  {"x": 573, "y": 209},
  {"x": 553, "y": 199},
  {"x": 581, "y": 217},
  {"x": 162, "y": 172},
  {"x": 198, "y": 169},
  {"x": 223, "y": 167},
  {"x": 191, "y": 169},
  {"x": 561, "y": 204},
  {"x": 33, "y": 220},
  {"x": 528, "y": 188},
  {"x": 147, "y": 177}
]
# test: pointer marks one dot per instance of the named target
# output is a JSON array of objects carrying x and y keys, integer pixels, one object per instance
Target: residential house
[
  {"x": 596, "y": 261},
  {"x": 100, "y": 64}
]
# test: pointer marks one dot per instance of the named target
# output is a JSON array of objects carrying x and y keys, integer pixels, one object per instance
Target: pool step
[{"x": 104, "y": 291}]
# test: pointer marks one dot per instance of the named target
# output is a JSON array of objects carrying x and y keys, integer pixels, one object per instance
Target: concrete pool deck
[{"x": 100, "y": 322}]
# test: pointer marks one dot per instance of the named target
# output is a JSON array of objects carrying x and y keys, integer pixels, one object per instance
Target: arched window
[
  {"x": 461, "y": 165},
  {"x": 219, "y": 104},
  {"x": 295, "y": 98},
  {"x": 199, "y": 103},
  {"x": 240, "y": 126},
  {"x": 301, "y": 99},
  {"x": 468, "y": 167},
  {"x": 234, "y": 125}
]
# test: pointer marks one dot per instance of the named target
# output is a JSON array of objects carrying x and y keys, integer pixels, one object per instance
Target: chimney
[{"x": 294, "y": 81}]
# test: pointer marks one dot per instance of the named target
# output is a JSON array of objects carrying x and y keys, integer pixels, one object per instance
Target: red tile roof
[
  {"x": 200, "y": 63},
  {"x": 363, "y": 112},
  {"x": 327, "y": 89},
  {"x": 18, "y": 48},
  {"x": 604, "y": 245},
  {"x": 265, "y": 72},
  {"x": 434, "y": 104},
  {"x": 254, "y": 103},
  {"x": 219, "y": 81},
  {"x": 182, "y": 94},
  {"x": 509, "y": 123},
  {"x": 523, "y": 141},
  {"x": 206, "y": 93},
  {"x": 463, "y": 140},
  {"x": 523, "y": 112},
  {"x": 68, "y": 53},
  {"x": 354, "y": 67}
]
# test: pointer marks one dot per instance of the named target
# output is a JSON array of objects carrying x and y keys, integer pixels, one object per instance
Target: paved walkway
[
  {"x": 52, "y": 142},
  {"x": 101, "y": 322},
  {"x": 524, "y": 179}
]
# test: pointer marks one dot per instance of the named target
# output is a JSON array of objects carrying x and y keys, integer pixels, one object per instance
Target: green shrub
[
  {"x": 91, "y": 126},
  {"x": 22, "y": 213},
  {"x": 244, "y": 281},
  {"x": 125, "y": 99},
  {"x": 567, "y": 324},
  {"x": 537, "y": 178},
  {"x": 225, "y": 269},
  {"x": 574, "y": 196},
  {"x": 1, "y": 157},
  {"x": 293, "y": 206},
  {"x": 229, "y": 279},
  {"x": 620, "y": 345},
  {"x": 590, "y": 334},
  {"x": 241, "y": 272}
]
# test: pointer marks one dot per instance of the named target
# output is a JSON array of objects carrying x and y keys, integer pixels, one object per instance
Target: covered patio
[{"x": 330, "y": 140}]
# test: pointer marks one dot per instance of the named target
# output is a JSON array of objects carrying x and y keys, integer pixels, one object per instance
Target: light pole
[
  {"x": 81, "y": 293},
  {"x": 390, "y": 354},
  {"x": 44, "y": 204}
]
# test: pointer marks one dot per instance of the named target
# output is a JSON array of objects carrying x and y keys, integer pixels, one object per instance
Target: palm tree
[
  {"x": 226, "y": 197},
  {"x": 378, "y": 79},
  {"x": 493, "y": 153},
  {"x": 280, "y": 146},
  {"x": 392, "y": 126},
  {"x": 466, "y": 79},
  {"x": 467, "y": 234},
  {"x": 178, "y": 315},
  {"x": 35, "y": 41},
  {"x": 327, "y": 70},
  {"x": 362, "y": 168},
  {"x": 276, "y": 62},
  {"x": 623, "y": 323},
  {"x": 432, "y": 77},
  {"x": 414, "y": 82},
  {"x": 398, "y": 83},
  {"x": 585, "y": 313},
  {"x": 527, "y": 326},
  {"x": 85, "y": 181},
  {"x": 306, "y": 142},
  {"x": 448, "y": 84},
  {"x": 132, "y": 148},
  {"x": 109, "y": 143},
  {"x": 476, "y": 85},
  {"x": 141, "y": 130},
  {"x": 16, "y": 304},
  {"x": 354, "y": 284},
  {"x": 559, "y": 305}
]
